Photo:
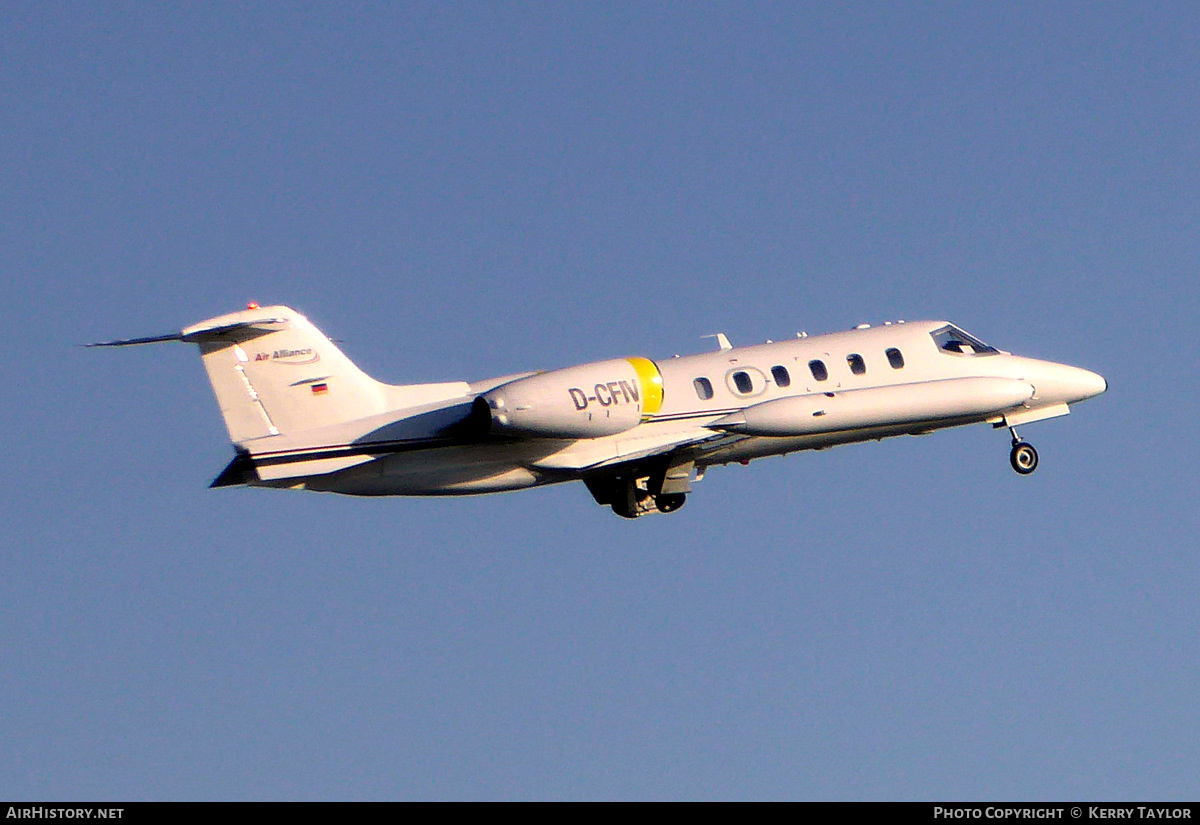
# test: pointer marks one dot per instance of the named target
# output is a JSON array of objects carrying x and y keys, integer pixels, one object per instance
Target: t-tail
[{"x": 283, "y": 387}]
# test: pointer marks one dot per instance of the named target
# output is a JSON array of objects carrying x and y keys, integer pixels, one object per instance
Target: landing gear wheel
[
  {"x": 669, "y": 502},
  {"x": 1023, "y": 458}
]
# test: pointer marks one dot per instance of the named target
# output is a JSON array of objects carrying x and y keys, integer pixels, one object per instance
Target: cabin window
[
  {"x": 857, "y": 365},
  {"x": 780, "y": 374},
  {"x": 746, "y": 381},
  {"x": 703, "y": 388},
  {"x": 818, "y": 370},
  {"x": 895, "y": 358}
]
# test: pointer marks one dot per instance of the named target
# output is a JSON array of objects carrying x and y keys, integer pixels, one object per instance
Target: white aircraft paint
[{"x": 301, "y": 415}]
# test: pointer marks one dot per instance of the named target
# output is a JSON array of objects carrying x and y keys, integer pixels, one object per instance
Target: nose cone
[
  {"x": 1069, "y": 384},
  {"x": 1089, "y": 384}
]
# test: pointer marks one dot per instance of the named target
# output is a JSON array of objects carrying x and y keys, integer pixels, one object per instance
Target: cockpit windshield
[{"x": 952, "y": 339}]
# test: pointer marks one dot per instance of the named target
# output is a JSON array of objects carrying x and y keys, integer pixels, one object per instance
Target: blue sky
[{"x": 456, "y": 191}]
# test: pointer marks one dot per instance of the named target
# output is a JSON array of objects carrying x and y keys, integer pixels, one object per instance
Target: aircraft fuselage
[{"x": 927, "y": 388}]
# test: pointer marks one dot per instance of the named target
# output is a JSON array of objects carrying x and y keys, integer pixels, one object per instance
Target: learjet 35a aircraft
[{"x": 637, "y": 432}]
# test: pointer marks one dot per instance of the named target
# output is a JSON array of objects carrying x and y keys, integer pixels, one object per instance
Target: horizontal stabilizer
[
  {"x": 199, "y": 333},
  {"x": 129, "y": 342}
]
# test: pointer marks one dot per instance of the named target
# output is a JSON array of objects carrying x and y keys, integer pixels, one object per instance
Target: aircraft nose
[
  {"x": 1096, "y": 383},
  {"x": 1062, "y": 383},
  {"x": 1081, "y": 384}
]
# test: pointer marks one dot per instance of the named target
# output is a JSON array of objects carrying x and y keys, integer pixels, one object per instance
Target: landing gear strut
[
  {"x": 1023, "y": 458},
  {"x": 631, "y": 501}
]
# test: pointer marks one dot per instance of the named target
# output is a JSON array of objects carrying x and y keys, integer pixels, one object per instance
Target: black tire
[
  {"x": 669, "y": 502},
  {"x": 1023, "y": 458}
]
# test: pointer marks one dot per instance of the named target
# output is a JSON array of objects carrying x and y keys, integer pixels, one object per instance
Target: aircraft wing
[{"x": 588, "y": 455}]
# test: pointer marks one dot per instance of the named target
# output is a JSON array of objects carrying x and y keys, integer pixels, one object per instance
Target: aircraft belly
[{"x": 464, "y": 470}]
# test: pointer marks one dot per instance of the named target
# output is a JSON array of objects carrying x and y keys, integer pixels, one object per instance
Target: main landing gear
[
  {"x": 1023, "y": 458},
  {"x": 632, "y": 495},
  {"x": 632, "y": 500}
]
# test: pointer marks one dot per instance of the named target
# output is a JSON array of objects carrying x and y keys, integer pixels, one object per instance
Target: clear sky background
[{"x": 456, "y": 191}]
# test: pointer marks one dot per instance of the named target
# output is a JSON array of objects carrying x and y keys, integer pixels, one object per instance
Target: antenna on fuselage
[{"x": 722, "y": 340}]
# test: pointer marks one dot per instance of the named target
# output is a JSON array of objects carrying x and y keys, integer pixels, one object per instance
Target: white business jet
[{"x": 637, "y": 432}]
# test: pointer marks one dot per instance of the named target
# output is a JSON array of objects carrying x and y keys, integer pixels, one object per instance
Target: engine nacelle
[{"x": 588, "y": 401}]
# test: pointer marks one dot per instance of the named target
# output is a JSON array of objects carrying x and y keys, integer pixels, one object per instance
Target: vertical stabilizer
[{"x": 274, "y": 372}]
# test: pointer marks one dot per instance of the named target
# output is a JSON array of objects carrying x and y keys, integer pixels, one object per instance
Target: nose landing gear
[{"x": 1023, "y": 458}]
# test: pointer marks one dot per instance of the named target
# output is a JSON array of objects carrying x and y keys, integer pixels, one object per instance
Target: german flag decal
[{"x": 320, "y": 389}]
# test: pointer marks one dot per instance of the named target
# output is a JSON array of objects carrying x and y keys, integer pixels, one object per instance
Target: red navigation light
[{"x": 252, "y": 305}]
